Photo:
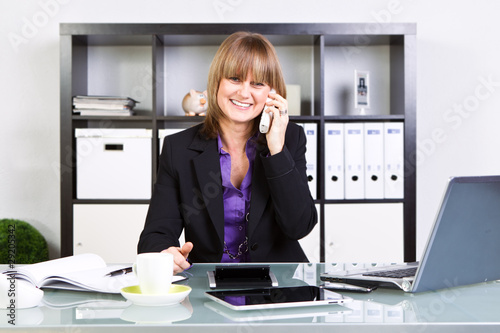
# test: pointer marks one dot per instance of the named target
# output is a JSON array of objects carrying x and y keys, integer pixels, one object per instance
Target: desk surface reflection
[{"x": 381, "y": 310}]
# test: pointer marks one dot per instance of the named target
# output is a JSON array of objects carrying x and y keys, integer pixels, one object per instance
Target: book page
[
  {"x": 93, "y": 280},
  {"x": 60, "y": 267}
]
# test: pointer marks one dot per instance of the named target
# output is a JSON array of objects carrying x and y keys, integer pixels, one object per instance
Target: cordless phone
[{"x": 265, "y": 119}]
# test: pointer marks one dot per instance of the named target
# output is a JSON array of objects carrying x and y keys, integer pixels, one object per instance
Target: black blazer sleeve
[
  {"x": 291, "y": 214},
  {"x": 287, "y": 180}
]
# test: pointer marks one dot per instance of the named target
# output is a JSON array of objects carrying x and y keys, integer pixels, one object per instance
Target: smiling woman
[
  {"x": 241, "y": 55},
  {"x": 239, "y": 195}
]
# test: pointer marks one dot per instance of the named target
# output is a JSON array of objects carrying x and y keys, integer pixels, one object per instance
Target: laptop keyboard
[{"x": 396, "y": 273}]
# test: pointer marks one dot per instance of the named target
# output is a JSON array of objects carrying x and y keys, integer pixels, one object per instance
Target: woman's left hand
[{"x": 276, "y": 134}]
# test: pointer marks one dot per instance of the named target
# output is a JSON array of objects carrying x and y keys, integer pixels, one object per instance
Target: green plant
[{"x": 21, "y": 243}]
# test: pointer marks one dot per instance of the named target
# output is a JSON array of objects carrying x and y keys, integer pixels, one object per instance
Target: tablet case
[{"x": 241, "y": 276}]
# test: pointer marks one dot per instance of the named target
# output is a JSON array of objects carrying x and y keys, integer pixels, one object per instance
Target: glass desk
[{"x": 471, "y": 308}]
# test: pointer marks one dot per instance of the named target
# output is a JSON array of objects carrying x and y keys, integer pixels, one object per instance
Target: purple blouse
[{"x": 236, "y": 205}]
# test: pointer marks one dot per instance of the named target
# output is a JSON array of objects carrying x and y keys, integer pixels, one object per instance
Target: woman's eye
[{"x": 234, "y": 78}]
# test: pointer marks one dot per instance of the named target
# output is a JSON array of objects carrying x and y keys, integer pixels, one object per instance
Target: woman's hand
[
  {"x": 180, "y": 256},
  {"x": 276, "y": 134}
]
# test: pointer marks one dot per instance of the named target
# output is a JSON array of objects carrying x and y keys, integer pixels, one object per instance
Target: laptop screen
[{"x": 464, "y": 246}]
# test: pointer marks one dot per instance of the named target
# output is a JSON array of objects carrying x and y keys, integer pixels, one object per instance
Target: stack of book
[{"x": 103, "y": 105}]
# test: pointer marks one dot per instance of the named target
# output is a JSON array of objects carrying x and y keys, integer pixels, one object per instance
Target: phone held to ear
[{"x": 266, "y": 117}]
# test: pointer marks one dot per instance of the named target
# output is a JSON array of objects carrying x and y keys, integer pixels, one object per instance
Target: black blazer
[{"x": 188, "y": 194}]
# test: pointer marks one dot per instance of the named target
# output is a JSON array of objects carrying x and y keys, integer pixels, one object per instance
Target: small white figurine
[{"x": 195, "y": 103}]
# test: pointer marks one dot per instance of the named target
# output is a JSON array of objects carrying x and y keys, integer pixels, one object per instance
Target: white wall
[{"x": 458, "y": 85}]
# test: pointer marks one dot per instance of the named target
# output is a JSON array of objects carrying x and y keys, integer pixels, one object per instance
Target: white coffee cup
[{"x": 154, "y": 272}]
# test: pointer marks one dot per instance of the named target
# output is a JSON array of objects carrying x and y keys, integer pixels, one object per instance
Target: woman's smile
[{"x": 240, "y": 104}]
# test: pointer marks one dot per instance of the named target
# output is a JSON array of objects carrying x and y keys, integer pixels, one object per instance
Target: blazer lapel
[
  {"x": 207, "y": 168},
  {"x": 260, "y": 191}
]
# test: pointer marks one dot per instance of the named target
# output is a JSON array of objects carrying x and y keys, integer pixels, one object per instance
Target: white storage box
[{"x": 113, "y": 163}]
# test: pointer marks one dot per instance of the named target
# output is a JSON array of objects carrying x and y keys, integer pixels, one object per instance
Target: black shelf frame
[{"x": 75, "y": 38}]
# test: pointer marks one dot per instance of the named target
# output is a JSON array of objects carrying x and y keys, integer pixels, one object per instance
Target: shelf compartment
[
  {"x": 194, "y": 54},
  {"x": 382, "y": 56}
]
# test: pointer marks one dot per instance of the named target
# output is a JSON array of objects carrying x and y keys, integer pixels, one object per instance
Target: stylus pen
[{"x": 120, "y": 271}]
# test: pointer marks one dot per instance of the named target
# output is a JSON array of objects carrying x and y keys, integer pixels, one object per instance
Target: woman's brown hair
[{"x": 236, "y": 56}]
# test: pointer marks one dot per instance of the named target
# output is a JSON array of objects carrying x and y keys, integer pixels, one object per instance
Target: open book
[{"x": 82, "y": 272}]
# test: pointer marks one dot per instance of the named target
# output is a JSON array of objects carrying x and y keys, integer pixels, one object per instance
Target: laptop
[{"x": 463, "y": 247}]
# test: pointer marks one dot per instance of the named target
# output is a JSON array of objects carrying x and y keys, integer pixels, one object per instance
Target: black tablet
[
  {"x": 280, "y": 297},
  {"x": 241, "y": 276}
]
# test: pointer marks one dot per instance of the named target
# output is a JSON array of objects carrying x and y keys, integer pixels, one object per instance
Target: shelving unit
[{"x": 158, "y": 63}]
